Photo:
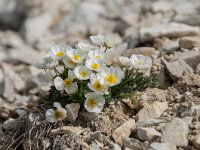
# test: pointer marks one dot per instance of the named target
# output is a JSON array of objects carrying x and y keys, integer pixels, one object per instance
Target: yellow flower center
[
  {"x": 68, "y": 82},
  {"x": 59, "y": 54},
  {"x": 59, "y": 114},
  {"x": 111, "y": 79},
  {"x": 139, "y": 62},
  {"x": 70, "y": 62},
  {"x": 76, "y": 57},
  {"x": 98, "y": 57},
  {"x": 91, "y": 102},
  {"x": 108, "y": 44},
  {"x": 95, "y": 66},
  {"x": 98, "y": 86},
  {"x": 83, "y": 74}
]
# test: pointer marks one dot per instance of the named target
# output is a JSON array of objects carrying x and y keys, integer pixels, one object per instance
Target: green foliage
[{"x": 133, "y": 81}]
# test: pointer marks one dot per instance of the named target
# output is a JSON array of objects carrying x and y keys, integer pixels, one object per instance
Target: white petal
[
  {"x": 72, "y": 89},
  {"x": 59, "y": 83},
  {"x": 57, "y": 105}
]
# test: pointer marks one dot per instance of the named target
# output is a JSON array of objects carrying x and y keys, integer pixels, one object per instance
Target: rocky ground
[{"x": 164, "y": 118}]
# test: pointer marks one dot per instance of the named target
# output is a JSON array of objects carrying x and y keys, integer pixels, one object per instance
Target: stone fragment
[
  {"x": 94, "y": 147},
  {"x": 10, "y": 124},
  {"x": 189, "y": 42},
  {"x": 72, "y": 111},
  {"x": 196, "y": 140},
  {"x": 168, "y": 30},
  {"x": 176, "y": 132},
  {"x": 163, "y": 146},
  {"x": 177, "y": 68},
  {"x": 66, "y": 129},
  {"x": 152, "y": 111},
  {"x": 96, "y": 136},
  {"x": 147, "y": 134},
  {"x": 148, "y": 122},
  {"x": 134, "y": 144},
  {"x": 123, "y": 131}
]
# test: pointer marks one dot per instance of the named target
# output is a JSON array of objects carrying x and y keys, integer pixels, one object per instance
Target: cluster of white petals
[{"x": 91, "y": 63}]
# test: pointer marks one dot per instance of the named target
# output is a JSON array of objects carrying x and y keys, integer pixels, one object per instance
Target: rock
[
  {"x": 168, "y": 30},
  {"x": 96, "y": 136},
  {"x": 10, "y": 124},
  {"x": 12, "y": 14},
  {"x": 146, "y": 51},
  {"x": 134, "y": 144},
  {"x": 176, "y": 132},
  {"x": 123, "y": 131},
  {"x": 148, "y": 122},
  {"x": 40, "y": 24},
  {"x": 94, "y": 147},
  {"x": 152, "y": 111},
  {"x": 1, "y": 131},
  {"x": 157, "y": 6},
  {"x": 192, "y": 20},
  {"x": 66, "y": 129},
  {"x": 196, "y": 141},
  {"x": 177, "y": 68},
  {"x": 22, "y": 54},
  {"x": 72, "y": 111},
  {"x": 147, "y": 134},
  {"x": 189, "y": 42},
  {"x": 163, "y": 146}
]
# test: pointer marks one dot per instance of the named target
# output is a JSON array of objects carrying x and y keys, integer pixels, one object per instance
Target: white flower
[
  {"x": 97, "y": 54},
  {"x": 112, "y": 75},
  {"x": 67, "y": 84},
  {"x": 94, "y": 64},
  {"x": 86, "y": 47},
  {"x": 82, "y": 72},
  {"x": 94, "y": 102},
  {"x": 125, "y": 61},
  {"x": 59, "y": 51},
  {"x": 98, "y": 40},
  {"x": 141, "y": 62},
  {"x": 69, "y": 63},
  {"x": 76, "y": 55},
  {"x": 56, "y": 115},
  {"x": 46, "y": 63},
  {"x": 111, "y": 40},
  {"x": 97, "y": 84}
]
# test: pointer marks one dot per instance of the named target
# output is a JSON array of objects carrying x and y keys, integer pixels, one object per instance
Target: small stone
[
  {"x": 66, "y": 129},
  {"x": 134, "y": 144},
  {"x": 96, "y": 136},
  {"x": 196, "y": 141},
  {"x": 148, "y": 122},
  {"x": 167, "y": 30},
  {"x": 10, "y": 123},
  {"x": 163, "y": 146},
  {"x": 94, "y": 147},
  {"x": 189, "y": 42},
  {"x": 147, "y": 134},
  {"x": 123, "y": 131},
  {"x": 72, "y": 111},
  {"x": 152, "y": 111},
  {"x": 146, "y": 51},
  {"x": 176, "y": 132}
]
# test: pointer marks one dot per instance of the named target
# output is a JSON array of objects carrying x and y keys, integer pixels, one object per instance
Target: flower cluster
[{"x": 89, "y": 76}]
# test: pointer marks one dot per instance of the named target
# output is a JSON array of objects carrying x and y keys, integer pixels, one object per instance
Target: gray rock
[
  {"x": 148, "y": 122},
  {"x": 189, "y": 42},
  {"x": 94, "y": 147},
  {"x": 193, "y": 20},
  {"x": 163, "y": 146},
  {"x": 66, "y": 129},
  {"x": 176, "y": 132},
  {"x": 72, "y": 111},
  {"x": 152, "y": 111},
  {"x": 12, "y": 14},
  {"x": 40, "y": 24},
  {"x": 123, "y": 131},
  {"x": 147, "y": 134},
  {"x": 177, "y": 68},
  {"x": 134, "y": 144},
  {"x": 168, "y": 30},
  {"x": 157, "y": 6},
  {"x": 96, "y": 136},
  {"x": 196, "y": 140}
]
